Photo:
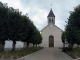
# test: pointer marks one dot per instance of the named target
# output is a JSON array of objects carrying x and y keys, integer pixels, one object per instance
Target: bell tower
[{"x": 51, "y": 17}]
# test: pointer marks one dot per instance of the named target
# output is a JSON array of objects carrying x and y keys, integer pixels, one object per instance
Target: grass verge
[
  {"x": 19, "y": 53},
  {"x": 74, "y": 52}
]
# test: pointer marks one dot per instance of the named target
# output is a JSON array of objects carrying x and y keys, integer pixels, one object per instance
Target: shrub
[{"x": 66, "y": 49}]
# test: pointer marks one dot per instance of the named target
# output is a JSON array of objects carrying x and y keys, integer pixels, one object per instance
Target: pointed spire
[{"x": 51, "y": 14}]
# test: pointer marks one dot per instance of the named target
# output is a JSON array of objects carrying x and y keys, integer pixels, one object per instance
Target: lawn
[
  {"x": 74, "y": 52},
  {"x": 19, "y": 53}
]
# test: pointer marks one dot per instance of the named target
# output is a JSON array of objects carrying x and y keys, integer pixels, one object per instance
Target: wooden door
[{"x": 51, "y": 41}]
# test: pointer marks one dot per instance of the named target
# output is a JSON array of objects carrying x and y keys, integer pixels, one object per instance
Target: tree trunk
[
  {"x": 3, "y": 45},
  {"x": 63, "y": 44},
  {"x": 71, "y": 45},
  {"x": 77, "y": 45},
  {"x": 33, "y": 44},
  {"x": 13, "y": 45},
  {"x": 27, "y": 45},
  {"x": 36, "y": 45}
]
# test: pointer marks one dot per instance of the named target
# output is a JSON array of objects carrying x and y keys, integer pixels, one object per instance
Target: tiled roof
[{"x": 51, "y": 14}]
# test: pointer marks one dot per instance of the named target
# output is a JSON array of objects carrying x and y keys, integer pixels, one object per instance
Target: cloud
[
  {"x": 38, "y": 17},
  {"x": 38, "y": 10}
]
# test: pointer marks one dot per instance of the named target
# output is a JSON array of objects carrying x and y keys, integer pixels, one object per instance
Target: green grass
[
  {"x": 74, "y": 53},
  {"x": 19, "y": 53}
]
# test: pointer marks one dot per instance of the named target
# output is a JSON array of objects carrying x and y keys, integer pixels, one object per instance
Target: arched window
[{"x": 49, "y": 20}]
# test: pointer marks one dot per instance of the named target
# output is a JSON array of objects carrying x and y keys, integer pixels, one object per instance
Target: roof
[
  {"x": 53, "y": 25},
  {"x": 51, "y": 14}
]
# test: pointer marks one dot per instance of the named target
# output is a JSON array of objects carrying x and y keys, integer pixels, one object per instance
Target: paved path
[{"x": 47, "y": 54}]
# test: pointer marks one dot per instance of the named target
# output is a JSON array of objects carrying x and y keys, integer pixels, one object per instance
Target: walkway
[{"x": 47, "y": 54}]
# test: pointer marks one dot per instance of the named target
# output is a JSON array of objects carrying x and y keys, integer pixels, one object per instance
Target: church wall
[
  {"x": 45, "y": 39},
  {"x": 56, "y": 32}
]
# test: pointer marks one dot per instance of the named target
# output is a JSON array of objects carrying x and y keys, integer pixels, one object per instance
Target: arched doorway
[{"x": 51, "y": 41}]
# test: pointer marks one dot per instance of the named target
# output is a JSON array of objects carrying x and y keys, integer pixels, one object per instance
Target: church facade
[{"x": 51, "y": 34}]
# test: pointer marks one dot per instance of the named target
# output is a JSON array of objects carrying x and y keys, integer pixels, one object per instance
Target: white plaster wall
[
  {"x": 53, "y": 30},
  {"x": 8, "y": 44}
]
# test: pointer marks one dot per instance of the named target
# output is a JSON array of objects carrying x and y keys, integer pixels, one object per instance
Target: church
[{"x": 51, "y": 34}]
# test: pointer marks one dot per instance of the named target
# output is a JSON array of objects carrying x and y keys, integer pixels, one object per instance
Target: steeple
[
  {"x": 51, "y": 14},
  {"x": 51, "y": 17}
]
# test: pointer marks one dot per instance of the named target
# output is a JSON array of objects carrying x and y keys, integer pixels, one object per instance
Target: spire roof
[{"x": 51, "y": 14}]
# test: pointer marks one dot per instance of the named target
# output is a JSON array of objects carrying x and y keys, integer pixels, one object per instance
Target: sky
[{"x": 38, "y": 10}]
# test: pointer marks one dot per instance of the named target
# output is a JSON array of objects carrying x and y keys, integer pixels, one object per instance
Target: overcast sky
[{"x": 38, "y": 10}]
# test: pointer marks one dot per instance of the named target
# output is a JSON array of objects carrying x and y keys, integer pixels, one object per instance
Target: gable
[{"x": 53, "y": 26}]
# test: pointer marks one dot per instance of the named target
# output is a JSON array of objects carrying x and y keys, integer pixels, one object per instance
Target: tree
[
  {"x": 3, "y": 23},
  {"x": 37, "y": 38},
  {"x": 14, "y": 26},
  {"x": 63, "y": 37},
  {"x": 73, "y": 28},
  {"x": 17, "y": 27},
  {"x": 25, "y": 29}
]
